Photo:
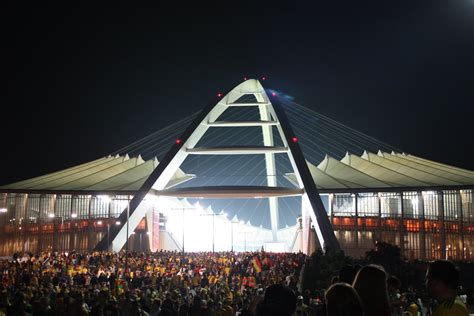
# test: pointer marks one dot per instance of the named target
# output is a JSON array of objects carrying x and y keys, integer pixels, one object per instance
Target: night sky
[{"x": 81, "y": 82}]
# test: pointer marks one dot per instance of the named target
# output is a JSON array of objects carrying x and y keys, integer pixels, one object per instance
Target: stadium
[{"x": 253, "y": 169}]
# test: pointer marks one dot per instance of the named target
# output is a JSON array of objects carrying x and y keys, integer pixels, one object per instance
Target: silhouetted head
[
  {"x": 342, "y": 299},
  {"x": 278, "y": 300}
]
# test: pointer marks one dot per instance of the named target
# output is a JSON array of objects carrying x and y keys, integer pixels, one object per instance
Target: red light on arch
[
  {"x": 294, "y": 139},
  {"x": 264, "y": 78},
  {"x": 178, "y": 141},
  {"x": 219, "y": 94},
  {"x": 274, "y": 94}
]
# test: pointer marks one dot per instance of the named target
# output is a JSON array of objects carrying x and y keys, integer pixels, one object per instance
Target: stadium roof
[
  {"x": 108, "y": 174},
  {"x": 370, "y": 172},
  {"x": 385, "y": 172}
]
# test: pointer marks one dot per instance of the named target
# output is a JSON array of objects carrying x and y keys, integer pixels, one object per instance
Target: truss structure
[{"x": 271, "y": 115}]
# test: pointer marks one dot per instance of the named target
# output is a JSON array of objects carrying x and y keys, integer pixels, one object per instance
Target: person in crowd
[
  {"x": 442, "y": 282},
  {"x": 347, "y": 274},
  {"x": 175, "y": 283},
  {"x": 279, "y": 300},
  {"x": 371, "y": 285},
  {"x": 302, "y": 309},
  {"x": 394, "y": 296},
  {"x": 341, "y": 300}
]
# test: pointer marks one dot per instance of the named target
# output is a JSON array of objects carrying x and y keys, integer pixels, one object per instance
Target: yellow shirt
[{"x": 451, "y": 307}]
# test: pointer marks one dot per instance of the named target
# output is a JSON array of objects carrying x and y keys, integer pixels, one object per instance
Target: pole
[
  {"x": 126, "y": 242},
  {"x": 245, "y": 242},
  {"x": 108, "y": 231},
  {"x": 213, "y": 216},
  {"x": 231, "y": 236},
  {"x": 182, "y": 224}
]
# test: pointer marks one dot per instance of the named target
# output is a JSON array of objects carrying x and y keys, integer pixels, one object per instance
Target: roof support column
[
  {"x": 90, "y": 223},
  {"x": 441, "y": 223},
  {"x": 55, "y": 227},
  {"x": 331, "y": 208},
  {"x": 40, "y": 224},
  {"x": 379, "y": 220},
  {"x": 461, "y": 224},
  {"x": 73, "y": 228},
  {"x": 356, "y": 221},
  {"x": 421, "y": 209},
  {"x": 402, "y": 225},
  {"x": 25, "y": 219}
]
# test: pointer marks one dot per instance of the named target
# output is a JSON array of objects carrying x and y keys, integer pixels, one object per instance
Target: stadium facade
[{"x": 424, "y": 207}]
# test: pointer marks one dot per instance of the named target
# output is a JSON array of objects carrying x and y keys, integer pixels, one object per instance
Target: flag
[{"x": 257, "y": 265}]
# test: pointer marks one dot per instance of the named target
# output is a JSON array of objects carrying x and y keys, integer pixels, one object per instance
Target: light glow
[
  {"x": 3, "y": 210},
  {"x": 51, "y": 215},
  {"x": 74, "y": 215},
  {"x": 105, "y": 198}
]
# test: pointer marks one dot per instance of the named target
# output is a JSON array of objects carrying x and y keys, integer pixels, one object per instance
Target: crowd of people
[{"x": 206, "y": 283}]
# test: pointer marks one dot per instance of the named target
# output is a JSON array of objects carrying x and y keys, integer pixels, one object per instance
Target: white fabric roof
[
  {"x": 117, "y": 173},
  {"x": 369, "y": 171},
  {"x": 385, "y": 170}
]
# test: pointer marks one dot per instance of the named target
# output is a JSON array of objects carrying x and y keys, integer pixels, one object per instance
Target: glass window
[
  {"x": 343, "y": 205},
  {"x": 411, "y": 205},
  {"x": 100, "y": 206},
  {"x": 368, "y": 204},
  {"x": 431, "y": 201},
  {"x": 80, "y": 206},
  {"x": 119, "y": 204},
  {"x": 390, "y": 205},
  {"x": 467, "y": 197},
  {"x": 63, "y": 206}
]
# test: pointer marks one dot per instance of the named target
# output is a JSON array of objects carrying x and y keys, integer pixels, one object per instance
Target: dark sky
[{"x": 82, "y": 82}]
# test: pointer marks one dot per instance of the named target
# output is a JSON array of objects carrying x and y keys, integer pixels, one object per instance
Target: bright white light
[
  {"x": 74, "y": 215},
  {"x": 105, "y": 198},
  {"x": 99, "y": 223},
  {"x": 117, "y": 223},
  {"x": 148, "y": 233},
  {"x": 198, "y": 207},
  {"x": 3, "y": 210},
  {"x": 200, "y": 225},
  {"x": 51, "y": 215}
]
